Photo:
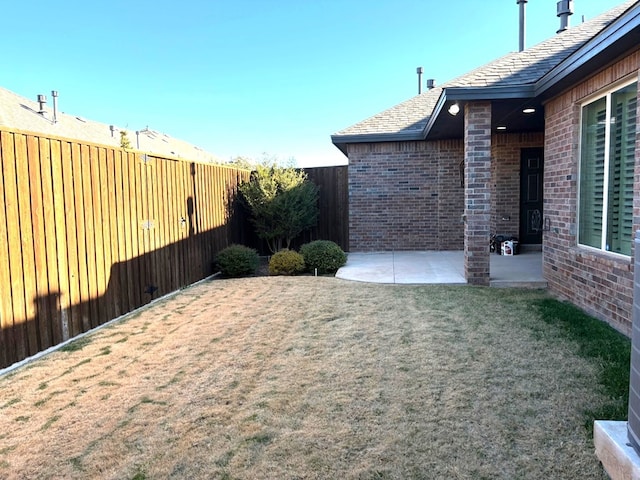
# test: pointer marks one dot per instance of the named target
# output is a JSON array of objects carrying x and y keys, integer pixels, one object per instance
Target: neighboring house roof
[
  {"x": 517, "y": 75},
  {"x": 20, "y": 113}
]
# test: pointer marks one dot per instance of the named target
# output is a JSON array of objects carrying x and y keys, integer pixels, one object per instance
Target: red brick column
[{"x": 477, "y": 191}]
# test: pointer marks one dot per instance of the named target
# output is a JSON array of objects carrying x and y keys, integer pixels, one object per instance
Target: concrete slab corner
[{"x": 618, "y": 457}]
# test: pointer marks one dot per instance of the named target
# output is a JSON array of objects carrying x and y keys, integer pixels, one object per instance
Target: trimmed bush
[
  {"x": 283, "y": 203},
  {"x": 237, "y": 261},
  {"x": 324, "y": 255},
  {"x": 286, "y": 262}
]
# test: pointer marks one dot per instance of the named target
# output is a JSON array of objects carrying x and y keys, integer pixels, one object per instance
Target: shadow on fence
[{"x": 130, "y": 285}]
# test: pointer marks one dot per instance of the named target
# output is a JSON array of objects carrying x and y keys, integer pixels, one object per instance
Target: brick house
[{"x": 519, "y": 146}]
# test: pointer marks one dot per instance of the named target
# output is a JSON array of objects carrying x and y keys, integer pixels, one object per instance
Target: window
[{"x": 607, "y": 159}]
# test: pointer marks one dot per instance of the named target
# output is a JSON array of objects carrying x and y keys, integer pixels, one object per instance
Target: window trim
[{"x": 602, "y": 93}]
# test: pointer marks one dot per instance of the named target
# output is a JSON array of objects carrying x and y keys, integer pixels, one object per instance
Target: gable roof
[
  {"x": 20, "y": 113},
  {"x": 517, "y": 75}
]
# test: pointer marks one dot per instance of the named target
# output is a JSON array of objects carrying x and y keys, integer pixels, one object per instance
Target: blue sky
[{"x": 247, "y": 77}]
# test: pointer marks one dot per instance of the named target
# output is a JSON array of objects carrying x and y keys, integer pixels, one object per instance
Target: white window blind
[{"x": 606, "y": 171}]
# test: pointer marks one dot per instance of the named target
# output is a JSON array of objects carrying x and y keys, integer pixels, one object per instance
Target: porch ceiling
[{"x": 505, "y": 112}]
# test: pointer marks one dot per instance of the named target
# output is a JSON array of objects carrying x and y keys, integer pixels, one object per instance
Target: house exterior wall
[
  {"x": 405, "y": 196},
  {"x": 598, "y": 282},
  {"x": 394, "y": 184},
  {"x": 505, "y": 174}
]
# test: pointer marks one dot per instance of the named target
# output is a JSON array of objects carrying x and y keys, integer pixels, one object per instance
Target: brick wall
[
  {"x": 598, "y": 282},
  {"x": 405, "y": 196},
  {"x": 477, "y": 195},
  {"x": 393, "y": 184}
]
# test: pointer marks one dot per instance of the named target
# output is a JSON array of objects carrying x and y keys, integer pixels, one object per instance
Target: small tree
[
  {"x": 283, "y": 203},
  {"x": 124, "y": 140},
  {"x": 245, "y": 163}
]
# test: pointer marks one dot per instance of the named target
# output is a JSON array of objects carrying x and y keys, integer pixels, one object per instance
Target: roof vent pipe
[
  {"x": 419, "y": 72},
  {"x": 42, "y": 100},
  {"x": 54, "y": 94},
  {"x": 565, "y": 9},
  {"x": 430, "y": 83},
  {"x": 523, "y": 23}
]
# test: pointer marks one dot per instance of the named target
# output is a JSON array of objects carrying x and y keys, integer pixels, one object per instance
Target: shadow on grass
[{"x": 599, "y": 342}]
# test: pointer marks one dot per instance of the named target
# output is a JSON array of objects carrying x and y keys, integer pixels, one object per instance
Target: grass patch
[
  {"x": 108, "y": 383},
  {"x": 177, "y": 378},
  {"x": 13, "y": 401},
  {"x": 260, "y": 438},
  {"x": 598, "y": 342},
  {"x": 146, "y": 401},
  {"x": 76, "y": 463},
  {"x": 76, "y": 345},
  {"x": 105, "y": 351},
  {"x": 42, "y": 401},
  {"x": 140, "y": 474},
  {"x": 5, "y": 450},
  {"x": 79, "y": 364},
  {"x": 50, "y": 422}
]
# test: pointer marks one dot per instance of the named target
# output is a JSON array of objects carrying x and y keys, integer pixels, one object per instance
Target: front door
[{"x": 531, "y": 181}]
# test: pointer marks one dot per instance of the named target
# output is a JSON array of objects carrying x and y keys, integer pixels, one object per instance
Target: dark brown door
[{"x": 531, "y": 181}]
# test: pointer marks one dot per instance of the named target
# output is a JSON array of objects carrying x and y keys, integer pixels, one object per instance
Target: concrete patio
[{"x": 441, "y": 267}]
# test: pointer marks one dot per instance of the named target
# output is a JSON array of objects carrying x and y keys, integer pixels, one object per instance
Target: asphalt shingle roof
[
  {"x": 513, "y": 69},
  {"x": 20, "y": 113}
]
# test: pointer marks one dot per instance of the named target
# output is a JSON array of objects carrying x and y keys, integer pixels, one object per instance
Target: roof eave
[
  {"x": 449, "y": 94},
  {"x": 452, "y": 95},
  {"x": 502, "y": 92},
  {"x": 341, "y": 141},
  {"x": 614, "y": 32}
]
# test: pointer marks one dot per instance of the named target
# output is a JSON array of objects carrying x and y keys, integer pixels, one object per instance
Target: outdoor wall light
[
  {"x": 529, "y": 110},
  {"x": 501, "y": 127},
  {"x": 454, "y": 109}
]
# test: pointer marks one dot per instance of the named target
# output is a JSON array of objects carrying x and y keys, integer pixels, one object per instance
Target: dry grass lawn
[{"x": 305, "y": 378}]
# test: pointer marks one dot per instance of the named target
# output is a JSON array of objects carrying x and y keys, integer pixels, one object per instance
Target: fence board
[
  {"x": 7, "y": 341},
  {"x": 96, "y": 263},
  {"x": 37, "y": 214},
  {"x": 187, "y": 209},
  {"x": 145, "y": 234},
  {"x": 152, "y": 229},
  {"x": 124, "y": 241},
  {"x": 131, "y": 266},
  {"x": 136, "y": 219},
  {"x": 115, "y": 296},
  {"x": 83, "y": 166},
  {"x": 27, "y": 245},
  {"x": 13, "y": 242},
  {"x": 160, "y": 189},
  {"x": 62, "y": 249},
  {"x": 50, "y": 236},
  {"x": 106, "y": 296}
]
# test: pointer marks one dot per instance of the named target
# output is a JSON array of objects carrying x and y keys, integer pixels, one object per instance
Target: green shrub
[
  {"x": 324, "y": 255},
  {"x": 237, "y": 261},
  {"x": 286, "y": 262},
  {"x": 283, "y": 203}
]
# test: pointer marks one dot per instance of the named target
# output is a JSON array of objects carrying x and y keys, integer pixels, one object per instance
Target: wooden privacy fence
[
  {"x": 333, "y": 218},
  {"x": 88, "y": 233}
]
